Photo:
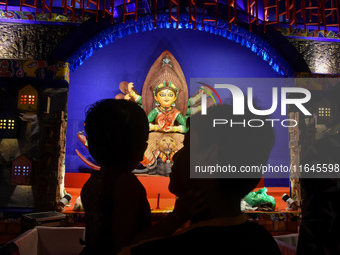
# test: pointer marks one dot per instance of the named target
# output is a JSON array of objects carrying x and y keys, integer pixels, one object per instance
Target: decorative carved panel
[
  {"x": 26, "y": 41},
  {"x": 321, "y": 57}
]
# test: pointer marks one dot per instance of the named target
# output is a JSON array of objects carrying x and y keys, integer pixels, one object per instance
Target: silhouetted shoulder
[{"x": 244, "y": 239}]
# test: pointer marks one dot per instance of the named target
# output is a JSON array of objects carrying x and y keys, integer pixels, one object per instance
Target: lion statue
[{"x": 159, "y": 153}]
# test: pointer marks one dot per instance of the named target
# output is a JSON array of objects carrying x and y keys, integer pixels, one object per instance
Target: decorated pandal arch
[{"x": 221, "y": 27}]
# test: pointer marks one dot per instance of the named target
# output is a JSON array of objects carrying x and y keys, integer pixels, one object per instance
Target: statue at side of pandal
[{"x": 166, "y": 103}]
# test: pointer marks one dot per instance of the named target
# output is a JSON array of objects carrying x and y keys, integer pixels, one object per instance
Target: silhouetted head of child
[{"x": 117, "y": 133}]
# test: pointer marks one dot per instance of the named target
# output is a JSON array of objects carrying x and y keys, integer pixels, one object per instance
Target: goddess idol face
[{"x": 165, "y": 97}]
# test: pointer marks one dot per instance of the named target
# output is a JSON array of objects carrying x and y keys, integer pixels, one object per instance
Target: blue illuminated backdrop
[{"x": 129, "y": 58}]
